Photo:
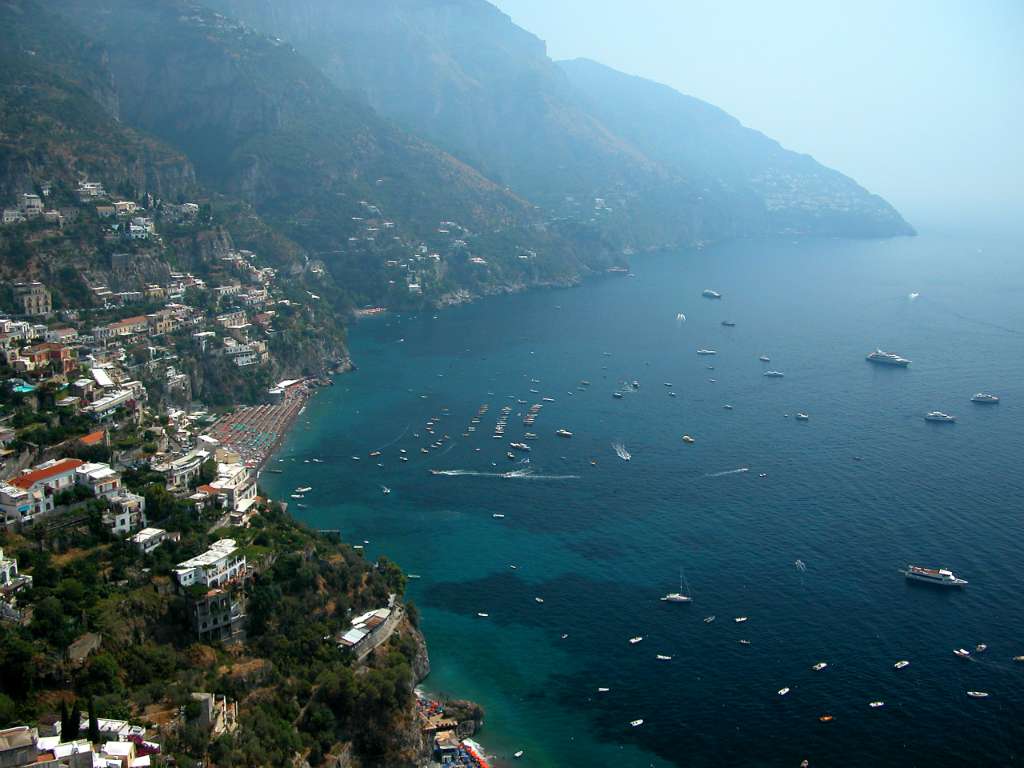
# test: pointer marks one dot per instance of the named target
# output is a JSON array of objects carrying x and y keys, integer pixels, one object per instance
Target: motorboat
[
  {"x": 688, "y": 440},
  {"x": 707, "y": 293},
  {"x": 939, "y": 416},
  {"x": 708, "y": 619},
  {"x": 517, "y": 754},
  {"x": 901, "y": 664},
  {"x": 740, "y": 619},
  {"x": 978, "y": 694},
  {"x": 783, "y": 691},
  {"x": 820, "y": 666},
  {"x": 662, "y": 657},
  {"x": 876, "y": 704},
  {"x": 635, "y": 640},
  {"x": 940, "y": 577},
  {"x": 636, "y": 723},
  {"x": 563, "y": 433},
  {"x": 764, "y": 359},
  {"x": 962, "y": 653},
  {"x": 728, "y": 323},
  {"x": 707, "y": 352},
  {"x": 538, "y": 599},
  {"x": 985, "y": 398},
  {"x": 773, "y": 374},
  {"x": 802, "y": 417},
  {"x": 887, "y": 358}
]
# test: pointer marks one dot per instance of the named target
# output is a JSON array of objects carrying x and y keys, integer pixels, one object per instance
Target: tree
[
  {"x": 65, "y": 718},
  {"x": 94, "y": 723},
  {"x": 74, "y": 725},
  {"x": 8, "y": 711}
]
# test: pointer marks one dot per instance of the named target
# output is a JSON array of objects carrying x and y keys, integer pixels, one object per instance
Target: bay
[{"x": 858, "y": 491}]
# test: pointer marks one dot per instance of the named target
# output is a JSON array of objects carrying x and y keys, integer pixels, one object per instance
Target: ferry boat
[
  {"x": 563, "y": 433},
  {"x": 709, "y": 294},
  {"x": 939, "y": 416},
  {"x": 706, "y": 352},
  {"x": 887, "y": 358},
  {"x": 985, "y": 398},
  {"x": 938, "y": 576}
]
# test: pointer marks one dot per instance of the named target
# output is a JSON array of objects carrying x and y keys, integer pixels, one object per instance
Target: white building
[
  {"x": 148, "y": 539},
  {"x": 221, "y": 563},
  {"x": 100, "y": 478}
]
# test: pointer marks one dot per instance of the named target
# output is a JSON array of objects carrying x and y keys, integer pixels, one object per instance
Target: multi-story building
[
  {"x": 219, "y": 615},
  {"x": 34, "y": 298},
  {"x": 148, "y": 539},
  {"x": 181, "y": 471},
  {"x": 127, "y": 512},
  {"x": 221, "y": 564}
]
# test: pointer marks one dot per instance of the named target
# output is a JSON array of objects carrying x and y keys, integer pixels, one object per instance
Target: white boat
[
  {"x": 783, "y": 691},
  {"x": 963, "y": 653},
  {"x": 680, "y": 596},
  {"x": 563, "y": 433},
  {"x": 298, "y": 496},
  {"x": 708, "y": 619},
  {"x": 483, "y": 615},
  {"x": 802, "y": 417},
  {"x": 1018, "y": 658},
  {"x": 764, "y": 359},
  {"x": 636, "y": 723},
  {"x": 819, "y": 666},
  {"x": 518, "y": 754},
  {"x": 901, "y": 664},
  {"x": 887, "y": 358},
  {"x": 565, "y": 636},
  {"x": 773, "y": 374},
  {"x": 635, "y": 640},
  {"x": 707, "y": 352},
  {"x": 707, "y": 293},
  {"x": 978, "y": 694},
  {"x": 603, "y": 690},
  {"x": 663, "y": 657},
  {"x": 304, "y": 489},
  {"x": 985, "y": 398},
  {"x": 539, "y": 599},
  {"x": 497, "y": 516},
  {"x": 980, "y": 648},
  {"x": 876, "y": 704},
  {"x": 940, "y": 577},
  {"x": 385, "y": 490},
  {"x": 939, "y": 416},
  {"x": 740, "y": 619}
]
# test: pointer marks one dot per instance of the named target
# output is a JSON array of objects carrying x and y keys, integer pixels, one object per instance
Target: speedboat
[
  {"x": 563, "y": 433},
  {"x": 901, "y": 664},
  {"x": 483, "y": 615},
  {"x": 498, "y": 516},
  {"x": 985, "y": 398},
  {"x": 635, "y": 640},
  {"x": 887, "y": 358},
  {"x": 603, "y": 690},
  {"x": 707, "y": 293},
  {"x": 706, "y": 352},
  {"x": 802, "y": 417},
  {"x": 518, "y": 754},
  {"x": 764, "y": 359},
  {"x": 688, "y": 440},
  {"x": 941, "y": 577},
  {"x": 978, "y": 694},
  {"x": 617, "y": 395},
  {"x": 980, "y": 648},
  {"x": 638, "y": 723},
  {"x": 939, "y": 416},
  {"x": 539, "y": 599},
  {"x": 740, "y": 619},
  {"x": 820, "y": 666},
  {"x": 876, "y": 704},
  {"x": 663, "y": 657},
  {"x": 962, "y": 653},
  {"x": 783, "y": 691}
]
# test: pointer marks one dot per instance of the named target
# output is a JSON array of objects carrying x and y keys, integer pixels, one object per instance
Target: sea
[{"x": 801, "y": 526}]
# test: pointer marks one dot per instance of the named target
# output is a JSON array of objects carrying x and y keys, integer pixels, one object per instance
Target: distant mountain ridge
[{"x": 669, "y": 169}]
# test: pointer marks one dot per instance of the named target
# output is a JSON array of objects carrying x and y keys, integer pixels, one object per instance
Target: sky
[{"x": 921, "y": 101}]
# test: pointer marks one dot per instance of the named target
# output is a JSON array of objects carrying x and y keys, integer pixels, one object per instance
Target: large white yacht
[
  {"x": 887, "y": 358},
  {"x": 939, "y": 576},
  {"x": 985, "y": 397},
  {"x": 939, "y": 416}
]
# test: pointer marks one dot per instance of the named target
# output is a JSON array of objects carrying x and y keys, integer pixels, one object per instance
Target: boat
[
  {"x": 563, "y": 433},
  {"x": 483, "y": 615},
  {"x": 635, "y": 640},
  {"x": 668, "y": 383},
  {"x": 688, "y": 440},
  {"x": 707, "y": 293},
  {"x": 962, "y": 653},
  {"x": 783, "y": 691},
  {"x": 980, "y": 648},
  {"x": 636, "y": 384},
  {"x": 901, "y": 664},
  {"x": 707, "y": 352},
  {"x": 355, "y": 458},
  {"x": 820, "y": 666},
  {"x": 298, "y": 496},
  {"x": 539, "y": 599},
  {"x": 826, "y": 718},
  {"x": 603, "y": 690},
  {"x": 740, "y": 619},
  {"x": 708, "y": 619},
  {"x": 304, "y": 489},
  {"x": 413, "y": 576},
  {"x": 1018, "y": 658},
  {"x": 617, "y": 395},
  {"x": 802, "y": 417},
  {"x": 985, "y": 398},
  {"x": 520, "y": 446},
  {"x": 978, "y": 694},
  {"x": 764, "y": 359},
  {"x": 671, "y": 394},
  {"x": 374, "y": 454},
  {"x": 385, "y": 490},
  {"x": 876, "y": 704},
  {"x": 728, "y": 323},
  {"x": 938, "y": 576},
  {"x": 548, "y": 399},
  {"x": 887, "y": 358},
  {"x": 773, "y": 374},
  {"x": 498, "y": 516},
  {"x": 564, "y": 636},
  {"x": 403, "y": 458},
  {"x": 727, "y": 407},
  {"x": 680, "y": 596},
  {"x": 662, "y": 657},
  {"x": 518, "y": 754},
  {"x": 510, "y": 455},
  {"x": 939, "y": 416},
  {"x": 302, "y": 506},
  {"x": 636, "y": 723}
]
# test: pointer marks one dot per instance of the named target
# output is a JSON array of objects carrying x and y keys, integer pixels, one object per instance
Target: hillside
[{"x": 671, "y": 169}]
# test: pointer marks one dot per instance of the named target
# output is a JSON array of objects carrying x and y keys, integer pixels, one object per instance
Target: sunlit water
[{"x": 857, "y": 492}]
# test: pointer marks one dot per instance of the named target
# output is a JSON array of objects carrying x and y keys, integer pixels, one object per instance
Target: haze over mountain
[{"x": 671, "y": 168}]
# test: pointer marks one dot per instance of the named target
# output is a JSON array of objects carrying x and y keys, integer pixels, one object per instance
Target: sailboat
[{"x": 680, "y": 596}]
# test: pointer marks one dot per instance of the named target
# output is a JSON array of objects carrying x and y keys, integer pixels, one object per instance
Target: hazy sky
[{"x": 922, "y": 101}]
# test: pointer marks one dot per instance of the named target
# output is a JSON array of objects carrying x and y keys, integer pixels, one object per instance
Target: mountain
[
  {"x": 262, "y": 124},
  {"x": 640, "y": 161}
]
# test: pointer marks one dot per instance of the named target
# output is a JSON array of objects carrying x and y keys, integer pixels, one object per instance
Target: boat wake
[
  {"x": 516, "y": 474},
  {"x": 739, "y": 471},
  {"x": 621, "y": 452}
]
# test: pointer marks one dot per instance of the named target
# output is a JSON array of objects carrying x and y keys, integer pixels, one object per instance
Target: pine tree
[
  {"x": 74, "y": 724},
  {"x": 65, "y": 721},
  {"x": 94, "y": 724}
]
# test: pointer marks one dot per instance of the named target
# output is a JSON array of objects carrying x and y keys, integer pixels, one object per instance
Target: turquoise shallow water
[{"x": 600, "y": 543}]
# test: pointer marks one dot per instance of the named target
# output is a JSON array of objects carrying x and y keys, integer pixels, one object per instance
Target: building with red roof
[{"x": 55, "y": 475}]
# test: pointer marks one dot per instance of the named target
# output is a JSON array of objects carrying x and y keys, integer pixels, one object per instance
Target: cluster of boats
[{"x": 891, "y": 358}]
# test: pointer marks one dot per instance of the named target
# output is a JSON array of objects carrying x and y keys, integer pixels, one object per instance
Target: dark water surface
[{"x": 601, "y": 543}]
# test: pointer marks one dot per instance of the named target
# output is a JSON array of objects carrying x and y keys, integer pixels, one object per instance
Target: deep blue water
[{"x": 600, "y": 543}]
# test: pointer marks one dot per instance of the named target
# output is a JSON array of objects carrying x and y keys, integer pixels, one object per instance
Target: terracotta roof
[
  {"x": 93, "y": 438},
  {"x": 29, "y": 479},
  {"x": 208, "y": 489}
]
